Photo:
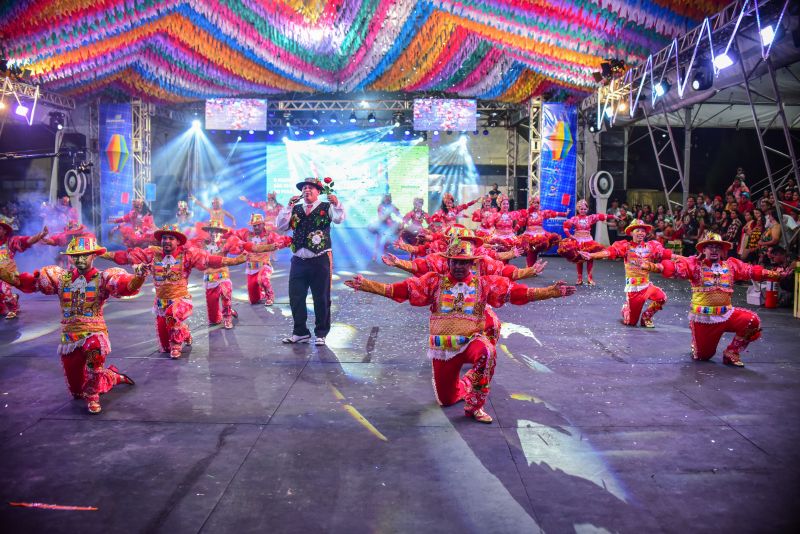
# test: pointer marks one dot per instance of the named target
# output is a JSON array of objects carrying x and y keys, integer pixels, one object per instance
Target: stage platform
[{"x": 598, "y": 427}]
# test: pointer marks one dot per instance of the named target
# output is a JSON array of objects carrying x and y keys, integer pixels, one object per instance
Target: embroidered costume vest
[
  {"x": 534, "y": 223},
  {"x": 81, "y": 307},
  {"x": 582, "y": 227},
  {"x": 169, "y": 277},
  {"x": 212, "y": 275},
  {"x": 504, "y": 224},
  {"x": 457, "y": 315},
  {"x": 5, "y": 253},
  {"x": 312, "y": 231},
  {"x": 257, "y": 260},
  {"x": 712, "y": 290},
  {"x": 636, "y": 278}
]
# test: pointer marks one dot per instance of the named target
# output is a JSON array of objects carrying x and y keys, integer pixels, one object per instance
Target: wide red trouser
[
  {"x": 85, "y": 374},
  {"x": 635, "y": 302},
  {"x": 259, "y": 286},
  {"x": 214, "y": 295},
  {"x": 170, "y": 327},
  {"x": 450, "y": 387},
  {"x": 705, "y": 337},
  {"x": 9, "y": 302}
]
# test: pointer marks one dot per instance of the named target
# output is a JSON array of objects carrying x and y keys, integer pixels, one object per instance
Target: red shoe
[
  {"x": 94, "y": 407},
  {"x": 175, "y": 353},
  {"x": 227, "y": 322},
  {"x": 123, "y": 378}
]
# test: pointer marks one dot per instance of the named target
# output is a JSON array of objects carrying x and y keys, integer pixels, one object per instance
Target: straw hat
[
  {"x": 463, "y": 248},
  {"x": 712, "y": 238},
  {"x": 638, "y": 223},
  {"x": 83, "y": 244},
  {"x": 256, "y": 218},
  {"x": 215, "y": 225},
  {"x": 170, "y": 229}
]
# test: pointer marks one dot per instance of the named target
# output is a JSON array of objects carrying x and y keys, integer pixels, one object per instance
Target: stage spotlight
[
  {"x": 311, "y": 133},
  {"x": 767, "y": 35},
  {"x": 407, "y": 132},
  {"x": 475, "y": 132},
  {"x": 297, "y": 132},
  {"x": 271, "y": 132},
  {"x": 196, "y": 124},
  {"x": 661, "y": 88},
  {"x": 2, "y": 105},
  {"x": 353, "y": 118},
  {"x": 333, "y": 119},
  {"x": 486, "y": 132},
  {"x": 622, "y": 106},
  {"x": 371, "y": 118},
  {"x": 251, "y": 132},
  {"x": 238, "y": 138},
  {"x": 396, "y": 124},
  {"x": 288, "y": 122},
  {"x": 391, "y": 132},
  {"x": 449, "y": 132},
  {"x": 315, "y": 119},
  {"x": 592, "y": 128},
  {"x": 285, "y": 139},
  {"x": 609, "y": 112},
  {"x": 605, "y": 70},
  {"x": 703, "y": 78},
  {"x": 723, "y": 61}
]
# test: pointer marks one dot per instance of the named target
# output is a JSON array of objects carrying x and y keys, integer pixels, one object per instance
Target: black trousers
[{"x": 315, "y": 274}]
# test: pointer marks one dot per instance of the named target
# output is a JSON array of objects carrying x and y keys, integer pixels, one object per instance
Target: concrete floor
[{"x": 598, "y": 427}]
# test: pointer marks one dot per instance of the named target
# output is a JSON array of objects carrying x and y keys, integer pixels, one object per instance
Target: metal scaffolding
[
  {"x": 669, "y": 165},
  {"x": 512, "y": 156},
  {"x": 93, "y": 151},
  {"x": 141, "y": 141},
  {"x": 535, "y": 141}
]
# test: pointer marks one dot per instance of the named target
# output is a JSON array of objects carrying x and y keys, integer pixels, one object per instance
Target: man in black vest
[{"x": 310, "y": 221}]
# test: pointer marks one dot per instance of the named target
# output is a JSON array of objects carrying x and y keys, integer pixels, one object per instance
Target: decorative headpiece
[
  {"x": 5, "y": 222},
  {"x": 463, "y": 248},
  {"x": 712, "y": 238},
  {"x": 325, "y": 185},
  {"x": 448, "y": 196},
  {"x": 638, "y": 223},
  {"x": 256, "y": 218},
  {"x": 458, "y": 230},
  {"x": 170, "y": 229},
  {"x": 581, "y": 202},
  {"x": 215, "y": 225},
  {"x": 83, "y": 244}
]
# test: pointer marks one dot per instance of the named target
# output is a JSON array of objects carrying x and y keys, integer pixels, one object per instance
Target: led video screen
[
  {"x": 445, "y": 114},
  {"x": 236, "y": 114}
]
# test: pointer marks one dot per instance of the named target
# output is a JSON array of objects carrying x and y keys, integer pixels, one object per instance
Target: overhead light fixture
[
  {"x": 196, "y": 124},
  {"x": 2, "y": 105},
  {"x": 56, "y": 120},
  {"x": 622, "y": 106},
  {"x": 486, "y": 132},
  {"x": 251, "y": 132},
  {"x": 371, "y": 118},
  {"x": 333, "y": 119},
  {"x": 407, "y": 132},
  {"x": 271, "y": 132},
  {"x": 315, "y": 119},
  {"x": 661, "y": 88},
  {"x": 311, "y": 132},
  {"x": 288, "y": 122},
  {"x": 21, "y": 110},
  {"x": 436, "y": 132},
  {"x": 592, "y": 128},
  {"x": 767, "y": 35},
  {"x": 352, "y": 118},
  {"x": 723, "y": 61}
]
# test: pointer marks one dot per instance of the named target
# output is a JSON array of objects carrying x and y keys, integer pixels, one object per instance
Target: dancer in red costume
[
  {"x": 63, "y": 238},
  {"x": 11, "y": 245},
  {"x": 535, "y": 238},
  {"x": 172, "y": 265},
  {"x": 215, "y": 212},
  {"x": 82, "y": 292},
  {"x": 485, "y": 216},
  {"x": 579, "y": 238},
  {"x": 713, "y": 277},
  {"x": 439, "y": 243},
  {"x": 449, "y": 213},
  {"x": 271, "y": 208},
  {"x": 136, "y": 227},
  {"x": 183, "y": 218},
  {"x": 458, "y": 301},
  {"x": 505, "y": 223},
  {"x": 412, "y": 228},
  {"x": 638, "y": 288},
  {"x": 259, "y": 264},
  {"x": 217, "y": 280}
]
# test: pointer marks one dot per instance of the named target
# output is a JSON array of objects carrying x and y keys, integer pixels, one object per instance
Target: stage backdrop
[
  {"x": 116, "y": 169},
  {"x": 362, "y": 174},
  {"x": 558, "y": 164}
]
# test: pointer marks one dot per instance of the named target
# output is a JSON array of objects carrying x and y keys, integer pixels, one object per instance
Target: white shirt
[{"x": 285, "y": 215}]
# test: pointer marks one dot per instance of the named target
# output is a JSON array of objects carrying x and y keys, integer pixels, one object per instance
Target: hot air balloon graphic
[
  {"x": 117, "y": 153},
  {"x": 559, "y": 141}
]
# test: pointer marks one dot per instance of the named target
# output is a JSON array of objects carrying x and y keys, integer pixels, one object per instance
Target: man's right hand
[
  {"x": 294, "y": 199},
  {"x": 389, "y": 259},
  {"x": 355, "y": 283}
]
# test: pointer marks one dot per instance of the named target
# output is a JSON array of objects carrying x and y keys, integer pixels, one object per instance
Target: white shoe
[
  {"x": 296, "y": 339},
  {"x": 319, "y": 341}
]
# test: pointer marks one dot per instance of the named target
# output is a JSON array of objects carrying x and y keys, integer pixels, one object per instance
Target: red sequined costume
[
  {"x": 449, "y": 215},
  {"x": 11, "y": 245},
  {"x": 270, "y": 207},
  {"x": 579, "y": 232},
  {"x": 712, "y": 313},
  {"x": 259, "y": 264},
  {"x": 458, "y": 333},
  {"x": 638, "y": 288},
  {"x": 485, "y": 216},
  {"x": 84, "y": 335},
  {"x": 173, "y": 303},
  {"x": 535, "y": 238}
]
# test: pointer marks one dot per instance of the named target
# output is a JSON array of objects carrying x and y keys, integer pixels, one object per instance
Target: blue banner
[
  {"x": 559, "y": 163},
  {"x": 116, "y": 169}
]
